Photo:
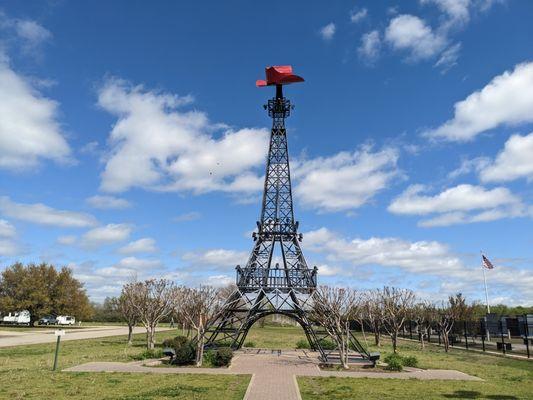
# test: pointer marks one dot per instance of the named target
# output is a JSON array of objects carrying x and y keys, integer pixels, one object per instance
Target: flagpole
[{"x": 485, "y": 282}]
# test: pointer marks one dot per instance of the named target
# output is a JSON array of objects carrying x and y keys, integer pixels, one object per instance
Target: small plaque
[{"x": 59, "y": 332}]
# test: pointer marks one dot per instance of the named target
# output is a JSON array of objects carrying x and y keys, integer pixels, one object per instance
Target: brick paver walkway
[{"x": 273, "y": 374}]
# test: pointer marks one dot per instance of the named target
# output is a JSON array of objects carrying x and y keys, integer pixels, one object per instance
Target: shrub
[
  {"x": 226, "y": 343},
  {"x": 185, "y": 354},
  {"x": 184, "y": 348},
  {"x": 147, "y": 354},
  {"x": 175, "y": 342},
  {"x": 394, "y": 361},
  {"x": 410, "y": 361},
  {"x": 249, "y": 344},
  {"x": 180, "y": 341},
  {"x": 209, "y": 358},
  {"x": 222, "y": 357},
  {"x": 327, "y": 344},
  {"x": 302, "y": 344}
]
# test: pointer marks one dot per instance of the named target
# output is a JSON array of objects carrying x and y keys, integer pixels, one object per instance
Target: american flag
[{"x": 486, "y": 263}]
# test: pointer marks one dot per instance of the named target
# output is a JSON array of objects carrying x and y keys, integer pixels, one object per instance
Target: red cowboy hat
[{"x": 279, "y": 75}]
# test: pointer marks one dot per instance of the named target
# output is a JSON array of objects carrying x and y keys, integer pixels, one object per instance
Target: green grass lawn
[
  {"x": 275, "y": 337},
  {"x": 25, "y": 373},
  {"x": 505, "y": 378}
]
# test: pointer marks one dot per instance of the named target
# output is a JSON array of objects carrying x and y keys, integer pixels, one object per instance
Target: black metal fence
[{"x": 513, "y": 336}]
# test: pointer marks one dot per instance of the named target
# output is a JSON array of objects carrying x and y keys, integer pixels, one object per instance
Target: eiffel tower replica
[{"x": 270, "y": 284}]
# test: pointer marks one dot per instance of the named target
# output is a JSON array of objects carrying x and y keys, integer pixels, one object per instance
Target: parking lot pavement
[{"x": 14, "y": 338}]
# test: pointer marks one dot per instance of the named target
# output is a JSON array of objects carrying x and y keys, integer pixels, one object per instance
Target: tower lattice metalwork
[{"x": 276, "y": 278}]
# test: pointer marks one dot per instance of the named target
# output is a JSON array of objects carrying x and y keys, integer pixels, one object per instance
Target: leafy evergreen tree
[{"x": 42, "y": 289}]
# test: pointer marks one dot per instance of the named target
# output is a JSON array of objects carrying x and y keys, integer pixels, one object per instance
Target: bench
[
  {"x": 508, "y": 346},
  {"x": 454, "y": 339},
  {"x": 169, "y": 352},
  {"x": 374, "y": 357}
]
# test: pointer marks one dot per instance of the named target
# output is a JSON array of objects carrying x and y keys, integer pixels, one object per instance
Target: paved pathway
[
  {"x": 14, "y": 338},
  {"x": 273, "y": 375}
]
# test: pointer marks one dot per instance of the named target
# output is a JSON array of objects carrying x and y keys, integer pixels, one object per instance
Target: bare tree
[
  {"x": 424, "y": 313},
  {"x": 332, "y": 309},
  {"x": 152, "y": 301},
  {"x": 199, "y": 306},
  {"x": 396, "y": 303},
  {"x": 373, "y": 312},
  {"x": 226, "y": 291},
  {"x": 455, "y": 309},
  {"x": 127, "y": 309},
  {"x": 358, "y": 315}
]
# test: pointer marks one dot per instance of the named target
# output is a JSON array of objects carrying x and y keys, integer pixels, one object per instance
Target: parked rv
[
  {"x": 17, "y": 318},
  {"x": 65, "y": 320}
]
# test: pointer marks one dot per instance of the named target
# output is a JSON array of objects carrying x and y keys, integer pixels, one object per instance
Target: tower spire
[{"x": 276, "y": 278}]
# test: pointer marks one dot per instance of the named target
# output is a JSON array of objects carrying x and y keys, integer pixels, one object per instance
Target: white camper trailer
[
  {"x": 17, "y": 318},
  {"x": 65, "y": 320}
]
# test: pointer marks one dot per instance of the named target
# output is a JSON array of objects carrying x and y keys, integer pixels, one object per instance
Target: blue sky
[{"x": 133, "y": 141}]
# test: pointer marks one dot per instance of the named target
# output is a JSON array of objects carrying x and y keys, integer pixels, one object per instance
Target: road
[{"x": 14, "y": 338}]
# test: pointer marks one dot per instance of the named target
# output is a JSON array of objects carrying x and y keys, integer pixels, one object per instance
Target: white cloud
[
  {"x": 90, "y": 148},
  {"x": 7, "y": 230},
  {"x": 457, "y": 11},
  {"x": 156, "y": 145},
  {"x": 422, "y": 256},
  {"x": 513, "y": 162},
  {"x": 448, "y": 57},
  {"x": 41, "y": 214},
  {"x": 469, "y": 165},
  {"x": 102, "y": 282},
  {"x": 128, "y": 269},
  {"x": 219, "y": 280},
  {"x": 410, "y": 33},
  {"x": 33, "y": 33},
  {"x": 27, "y": 35},
  {"x": 460, "y": 204},
  {"x": 217, "y": 258},
  {"x": 416, "y": 38},
  {"x": 138, "y": 263},
  {"x": 358, "y": 16},
  {"x": 506, "y": 100},
  {"x": 459, "y": 198},
  {"x": 104, "y": 235},
  {"x": 416, "y": 260},
  {"x": 454, "y": 218},
  {"x": 108, "y": 202},
  {"x": 8, "y": 248},
  {"x": 328, "y": 31},
  {"x": 370, "y": 46},
  {"x": 144, "y": 245},
  {"x": 29, "y": 127},
  {"x": 67, "y": 239},
  {"x": 344, "y": 181},
  {"x": 190, "y": 216},
  {"x": 327, "y": 270}
]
